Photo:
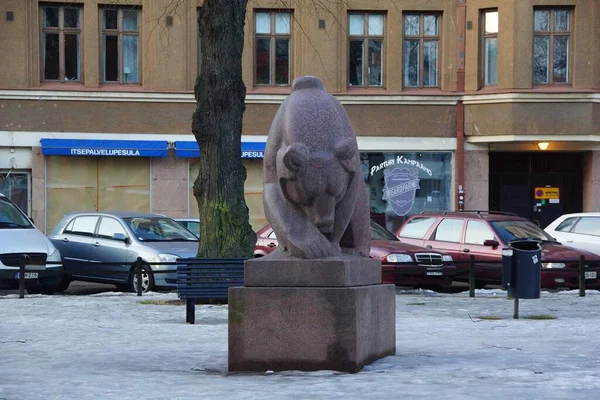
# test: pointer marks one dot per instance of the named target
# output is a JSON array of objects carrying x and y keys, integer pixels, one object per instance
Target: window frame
[
  {"x": 273, "y": 36},
  {"x": 483, "y": 36},
  {"x": 120, "y": 33},
  {"x": 422, "y": 39},
  {"x": 551, "y": 33},
  {"x": 82, "y": 233},
  {"x": 366, "y": 37},
  {"x": 433, "y": 235},
  {"x": 580, "y": 219},
  {"x": 475, "y": 221},
  {"x": 61, "y": 31},
  {"x": 99, "y": 226}
]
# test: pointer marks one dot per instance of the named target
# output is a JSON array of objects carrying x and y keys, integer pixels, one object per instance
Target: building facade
[{"x": 456, "y": 104}]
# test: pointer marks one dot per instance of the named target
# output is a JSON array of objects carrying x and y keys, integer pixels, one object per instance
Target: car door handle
[
  {"x": 65, "y": 240},
  {"x": 96, "y": 244},
  {"x": 466, "y": 250},
  {"x": 272, "y": 245}
]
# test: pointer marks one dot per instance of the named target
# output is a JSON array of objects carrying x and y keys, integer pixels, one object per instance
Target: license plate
[
  {"x": 28, "y": 275},
  {"x": 590, "y": 274},
  {"x": 434, "y": 273}
]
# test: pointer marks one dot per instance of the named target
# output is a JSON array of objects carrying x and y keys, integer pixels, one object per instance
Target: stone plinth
[
  {"x": 343, "y": 271},
  {"x": 309, "y": 328}
]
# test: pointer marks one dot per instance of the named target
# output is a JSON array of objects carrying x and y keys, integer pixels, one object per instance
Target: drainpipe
[{"x": 459, "y": 161}]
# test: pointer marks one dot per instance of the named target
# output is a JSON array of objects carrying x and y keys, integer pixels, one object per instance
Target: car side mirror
[
  {"x": 121, "y": 237},
  {"x": 491, "y": 242}
]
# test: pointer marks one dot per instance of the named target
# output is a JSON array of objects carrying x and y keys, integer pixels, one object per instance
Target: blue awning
[
  {"x": 191, "y": 150},
  {"x": 107, "y": 148}
]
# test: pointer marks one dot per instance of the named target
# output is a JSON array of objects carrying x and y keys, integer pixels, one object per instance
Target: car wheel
[
  {"x": 147, "y": 280},
  {"x": 64, "y": 284}
]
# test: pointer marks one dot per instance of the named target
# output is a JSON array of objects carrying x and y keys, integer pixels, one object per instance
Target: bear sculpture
[{"x": 315, "y": 196}]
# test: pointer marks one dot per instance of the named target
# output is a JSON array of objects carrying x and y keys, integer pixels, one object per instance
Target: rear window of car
[{"x": 417, "y": 228}]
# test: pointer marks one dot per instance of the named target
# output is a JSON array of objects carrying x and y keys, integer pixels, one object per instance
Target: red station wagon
[
  {"x": 402, "y": 264},
  {"x": 483, "y": 234}
]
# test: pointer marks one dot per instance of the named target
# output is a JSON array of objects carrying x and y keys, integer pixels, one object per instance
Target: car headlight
[
  {"x": 54, "y": 257},
  {"x": 553, "y": 265},
  {"x": 165, "y": 257},
  {"x": 399, "y": 258},
  {"x": 447, "y": 258}
]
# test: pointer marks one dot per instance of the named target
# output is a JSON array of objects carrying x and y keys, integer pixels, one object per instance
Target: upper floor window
[
  {"x": 120, "y": 45},
  {"x": 551, "y": 45},
  {"x": 421, "y": 50},
  {"x": 365, "y": 39},
  {"x": 490, "y": 47},
  {"x": 61, "y": 43},
  {"x": 273, "y": 37}
]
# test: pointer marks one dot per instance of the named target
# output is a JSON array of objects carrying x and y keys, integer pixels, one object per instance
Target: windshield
[
  {"x": 378, "y": 232},
  {"x": 158, "y": 229},
  {"x": 516, "y": 229},
  {"x": 11, "y": 216}
]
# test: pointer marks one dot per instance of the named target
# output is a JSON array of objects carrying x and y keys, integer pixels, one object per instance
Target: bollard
[
  {"x": 21, "y": 277},
  {"x": 138, "y": 272},
  {"x": 471, "y": 276},
  {"x": 582, "y": 276}
]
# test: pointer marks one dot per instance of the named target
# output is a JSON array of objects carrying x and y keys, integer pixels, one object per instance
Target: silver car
[{"x": 93, "y": 244}]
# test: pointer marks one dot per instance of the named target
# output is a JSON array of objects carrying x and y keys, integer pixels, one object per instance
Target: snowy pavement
[{"x": 111, "y": 346}]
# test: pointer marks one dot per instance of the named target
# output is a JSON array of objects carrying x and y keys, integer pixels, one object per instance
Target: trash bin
[{"x": 521, "y": 271}]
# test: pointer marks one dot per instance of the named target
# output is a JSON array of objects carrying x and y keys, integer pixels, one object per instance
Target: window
[
  {"x": 421, "y": 50},
  {"x": 120, "y": 45},
  {"x": 365, "y": 38},
  {"x": 490, "y": 47},
  {"x": 108, "y": 227},
  {"x": 551, "y": 45},
  {"x": 566, "y": 225},
  {"x": 588, "y": 226},
  {"x": 417, "y": 228},
  {"x": 61, "y": 43},
  {"x": 478, "y": 232},
  {"x": 449, "y": 230},
  {"x": 17, "y": 187},
  {"x": 272, "y": 48},
  {"x": 84, "y": 225}
]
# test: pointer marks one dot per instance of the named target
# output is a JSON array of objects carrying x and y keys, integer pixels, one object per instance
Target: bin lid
[{"x": 532, "y": 244}]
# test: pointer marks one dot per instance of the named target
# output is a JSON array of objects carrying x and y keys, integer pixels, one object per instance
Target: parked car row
[{"x": 430, "y": 250}]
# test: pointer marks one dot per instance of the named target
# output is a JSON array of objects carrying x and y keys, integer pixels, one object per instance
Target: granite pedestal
[{"x": 325, "y": 314}]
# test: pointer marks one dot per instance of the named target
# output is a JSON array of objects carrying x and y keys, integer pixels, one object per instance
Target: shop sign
[
  {"x": 547, "y": 193},
  {"x": 401, "y": 160},
  {"x": 400, "y": 188},
  {"x": 104, "y": 147}
]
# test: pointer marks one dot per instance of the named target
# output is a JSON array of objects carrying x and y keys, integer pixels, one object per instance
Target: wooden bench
[{"x": 207, "y": 279}]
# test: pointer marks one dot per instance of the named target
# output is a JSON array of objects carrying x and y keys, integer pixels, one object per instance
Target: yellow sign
[{"x": 547, "y": 193}]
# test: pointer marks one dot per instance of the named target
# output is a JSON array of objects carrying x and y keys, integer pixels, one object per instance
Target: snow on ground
[{"x": 111, "y": 346}]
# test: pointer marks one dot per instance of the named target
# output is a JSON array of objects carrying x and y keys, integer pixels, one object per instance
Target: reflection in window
[
  {"x": 490, "y": 47},
  {"x": 478, "y": 232},
  {"x": 404, "y": 184},
  {"x": 365, "y": 34},
  {"x": 120, "y": 45},
  {"x": 588, "y": 226},
  {"x": 551, "y": 46},
  {"x": 110, "y": 226},
  {"x": 449, "y": 230},
  {"x": 273, "y": 37},
  {"x": 417, "y": 228},
  {"x": 61, "y": 30},
  {"x": 421, "y": 50}
]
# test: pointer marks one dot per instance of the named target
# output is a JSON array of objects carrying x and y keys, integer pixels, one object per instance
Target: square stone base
[{"x": 310, "y": 328}]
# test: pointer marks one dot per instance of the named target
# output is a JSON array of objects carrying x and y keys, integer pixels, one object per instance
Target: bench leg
[{"x": 190, "y": 311}]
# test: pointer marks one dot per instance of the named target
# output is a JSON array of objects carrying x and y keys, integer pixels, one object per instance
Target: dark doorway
[{"x": 514, "y": 178}]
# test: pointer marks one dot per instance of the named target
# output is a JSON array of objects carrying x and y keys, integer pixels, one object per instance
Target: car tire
[
  {"x": 147, "y": 280},
  {"x": 63, "y": 285}
]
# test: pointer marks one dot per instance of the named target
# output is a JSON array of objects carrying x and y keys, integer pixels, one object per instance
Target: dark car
[
  {"x": 483, "y": 234},
  {"x": 402, "y": 264}
]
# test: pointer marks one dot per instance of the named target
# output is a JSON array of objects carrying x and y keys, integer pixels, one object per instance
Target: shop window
[
  {"x": 120, "y": 45},
  {"x": 17, "y": 187},
  {"x": 365, "y": 49},
  {"x": 421, "y": 50},
  {"x": 490, "y": 47},
  {"x": 253, "y": 191},
  {"x": 61, "y": 43},
  {"x": 272, "y": 42},
  {"x": 404, "y": 184},
  {"x": 551, "y": 45},
  {"x": 95, "y": 184}
]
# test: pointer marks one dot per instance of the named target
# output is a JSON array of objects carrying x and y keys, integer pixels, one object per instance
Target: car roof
[
  {"x": 118, "y": 214},
  {"x": 582, "y": 214},
  {"x": 187, "y": 219},
  {"x": 486, "y": 215}
]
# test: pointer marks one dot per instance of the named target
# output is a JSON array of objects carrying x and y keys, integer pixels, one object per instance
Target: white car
[{"x": 580, "y": 230}]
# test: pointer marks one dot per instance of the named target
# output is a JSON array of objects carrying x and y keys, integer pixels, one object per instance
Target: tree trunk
[{"x": 225, "y": 231}]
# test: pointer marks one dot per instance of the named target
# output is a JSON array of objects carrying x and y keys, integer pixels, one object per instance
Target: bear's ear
[
  {"x": 295, "y": 156},
  {"x": 345, "y": 151}
]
